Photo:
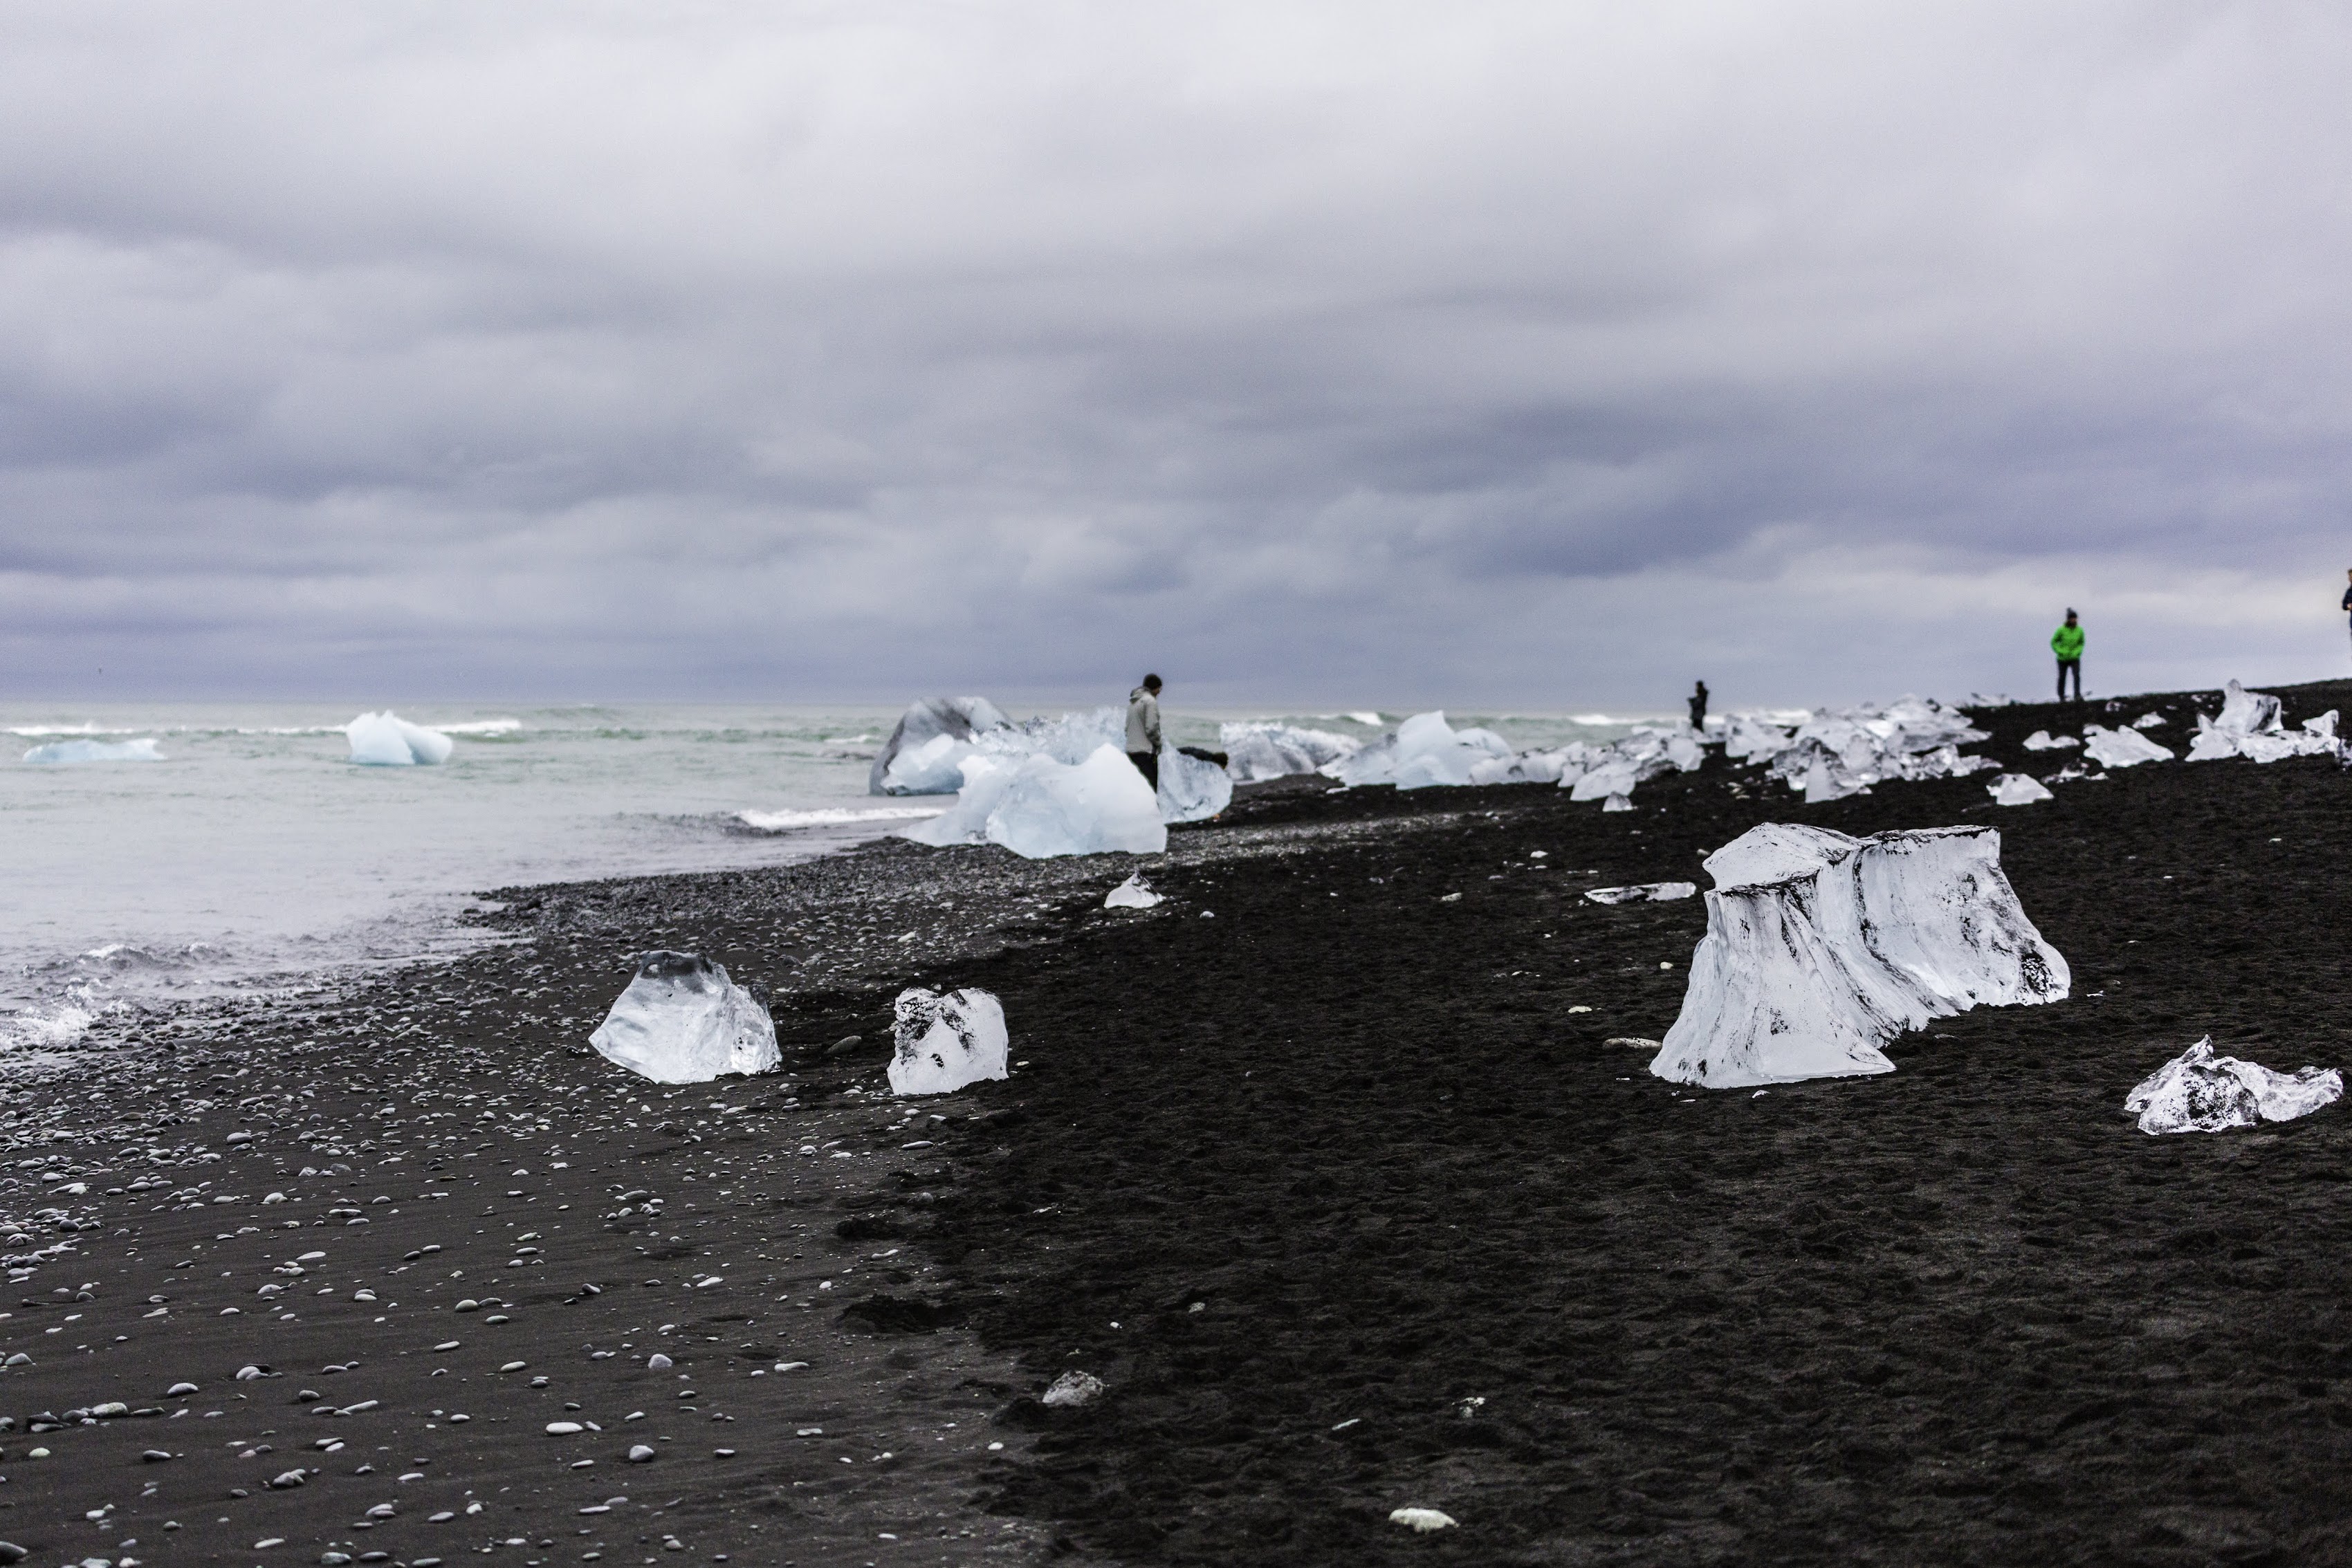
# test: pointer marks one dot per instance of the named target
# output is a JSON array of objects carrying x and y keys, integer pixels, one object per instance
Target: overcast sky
[{"x": 1541, "y": 355}]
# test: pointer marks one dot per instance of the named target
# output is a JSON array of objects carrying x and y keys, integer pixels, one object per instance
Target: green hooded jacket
[{"x": 2067, "y": 643}]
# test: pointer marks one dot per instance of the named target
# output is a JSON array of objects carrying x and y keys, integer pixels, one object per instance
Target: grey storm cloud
[{"x": 1543, "y": 354}]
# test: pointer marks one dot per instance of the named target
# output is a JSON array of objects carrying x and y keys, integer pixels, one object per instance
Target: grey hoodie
[{"x": 1142, "y": 721}]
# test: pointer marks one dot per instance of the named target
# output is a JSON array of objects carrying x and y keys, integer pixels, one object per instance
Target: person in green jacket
[{"x": 2067, "y": 644}]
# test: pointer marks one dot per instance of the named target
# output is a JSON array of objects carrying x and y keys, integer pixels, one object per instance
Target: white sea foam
[
  {"x": 481, "y": 727},
  {"x": 833, "y": 816},
  {"x": 66, "y": 752}
]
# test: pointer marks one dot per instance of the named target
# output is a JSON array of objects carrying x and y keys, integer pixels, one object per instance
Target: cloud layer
[{"x": 1529, "y": 354}]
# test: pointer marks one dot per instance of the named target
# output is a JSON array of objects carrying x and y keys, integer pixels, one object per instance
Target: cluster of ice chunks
[
  {"x": 1836, "y": 753},
  {"x": 1819, "y": 948},
  {"x": 387, "y": 740},
  {"x": 2197, "y": 1092},
  {"x": 1421, "y": 752},
  {"x": 682, "y": 1021},
  {"x": 1257, "y": 750},
  {"x": 2249, "y": 726},
  {"x": 925, "y": 753},
  {"x": 1038, "y": 808},
  {"x": 70, "y": 751},
  {"x": 1644, "y": 892},
  {"x": 945, "y": 1042}
]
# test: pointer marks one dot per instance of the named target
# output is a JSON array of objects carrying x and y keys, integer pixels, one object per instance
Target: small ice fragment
[
  {"x": 1615, "y": 803},
  {"x": 2043, "y": 740},
  {"x": 2121, "y": 747},
  {"x": 1133, "y": 894},
  {"x": 2197, "y": 1092},
  {"x": 1421, "y": 1520},
  {"x": 945, "y": 1042},
  {"x": 1648, "y": 892},
  {"x": 2149, "y": 721},
  {"x": 682, "y": 1021},
  {"x": 1072, "y": 1388},
  {"x": 2017, "y": 789},
  {"x": 387, "y": 740}
]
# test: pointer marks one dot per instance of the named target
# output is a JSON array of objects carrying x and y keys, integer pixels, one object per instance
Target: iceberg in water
[
  {"x": 945, "y": 1042},
  {"x": 925, "y": 753},
  {"x": 2017, "y": 789},
  {"x": 1038, "y": 808},
  {"x": 2197, "y": 1092},
  {"x": 1257, "y": 751},
  {"x": 2121, "y": 747},
  {"x": 2249, "y": 726},
  {"x": 682, "y": 1021},
  {"x": 387, "y": 740},
  {"x": 1819, "y": 948},
  {"x": 71, "y": 751}
]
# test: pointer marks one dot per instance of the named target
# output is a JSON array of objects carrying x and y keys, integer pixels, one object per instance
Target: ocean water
[{"x": 155, "y": 854}]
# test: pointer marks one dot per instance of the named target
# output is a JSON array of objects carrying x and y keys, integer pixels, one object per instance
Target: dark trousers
[
  {"x": 1148, "y": 764},
  {"x": 2066, "y": 666}
]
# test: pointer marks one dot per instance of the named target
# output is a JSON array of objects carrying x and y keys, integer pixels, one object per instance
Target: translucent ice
[
  {"x": 1422, "y": 751},
  {"x": 1819, "y": 948},
  {"x": 2017, "y": 789},
  {"x": 2043, "y": 740},
  {"x": 1038, "y": 807},
  {"x": 1258, "y": 751},
  {"x": 1646, "y": 892},
  {"x": 1617, "y": 803},
  {"x": 1133, "y": 894},
  {"x": 682, "y": 1021},
  {"x": 387, "y": 740},
  {"x": 2197, "y": 1092},
  {"x": 2121, "y": 747},
  {"x": 1191, "y": 789},
  {"x": 945, "y": 1042},
  {"x": 926, "y": 750},
  {"x": 1598, "y": 783},
  {"x": 2249, "y": 727},
  {"x": 69, "y": 751}
]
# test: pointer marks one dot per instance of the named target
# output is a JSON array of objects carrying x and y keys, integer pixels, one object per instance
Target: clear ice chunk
[
  {"x": 682, "y": 1021},
  {"x": 1039, "y": 807},
  {"x": 925, "y": 753},
  {"x": 2121, "y": 747},
  {"x": 2017, "y": 789},
  {"x": 387, "y": 740},
  {"x": 1133, "y": 894},
  {"x": 2197, "y": 1092},
  {"x": 1644, "y": 892}
]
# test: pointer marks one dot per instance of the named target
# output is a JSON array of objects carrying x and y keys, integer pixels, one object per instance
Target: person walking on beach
[
  {"x": 2348, "y": 594},
  {"x": 2067, "y": 644},
  {"x": 1698, "y": 706},
  {"x": 1143, "y": 729}
]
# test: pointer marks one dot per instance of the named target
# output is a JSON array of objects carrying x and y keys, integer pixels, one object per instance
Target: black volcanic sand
[{"x": 1325, "y": 1167}]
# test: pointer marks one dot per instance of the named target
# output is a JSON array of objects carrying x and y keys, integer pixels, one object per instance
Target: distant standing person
[
  {"x": 2348, "y": 594},
  {"x": 1698, "y": 706},
  {"x": 1143, "y": 729},
  {"x": 2067, "y": 644}
]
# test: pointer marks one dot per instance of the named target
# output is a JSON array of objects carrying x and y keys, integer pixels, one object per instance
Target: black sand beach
[{"x": 1326, "y": 1167}]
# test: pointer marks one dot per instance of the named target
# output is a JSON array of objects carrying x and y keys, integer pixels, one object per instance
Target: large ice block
[
  {"x": 1257, "y": 751},
  {"x": 925, "y": 753},
  {"x": 682, "y": 1021},
  {"x": 1821, "y": 949},
  {"x": 1038, "y": 807}
]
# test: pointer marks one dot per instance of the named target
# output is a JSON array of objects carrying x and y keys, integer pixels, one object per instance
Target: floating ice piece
[
  {"x": 69, "y": 751},
  {"x": 2197, "y": 1092},
  {"x": 1422, "y": 751},
  {"x": 1072, "y": 1389},
  {"x": 945, "y": 1042},
  {"x": 1422, "y": 1521},
  {"x": 2121, "y": 747},
  {"x": 1133, "y": 894},
  {"x": 682, "y": 1021},
  {"x": 387, "y": 740},
  {"x": 1038, "y": 807},
  {"x": 927, "y": 748},
  {"x": 1644, "y": 892},
  {"x": 2017, "y": 789},
  {"x": 1261, "y": 750},
  {"x": 1819, "y": 948},
  {"x": 2043, "y": 740}
]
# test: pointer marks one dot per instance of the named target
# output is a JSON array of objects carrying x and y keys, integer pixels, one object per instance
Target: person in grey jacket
[{"x": 1143, "y": 729}]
